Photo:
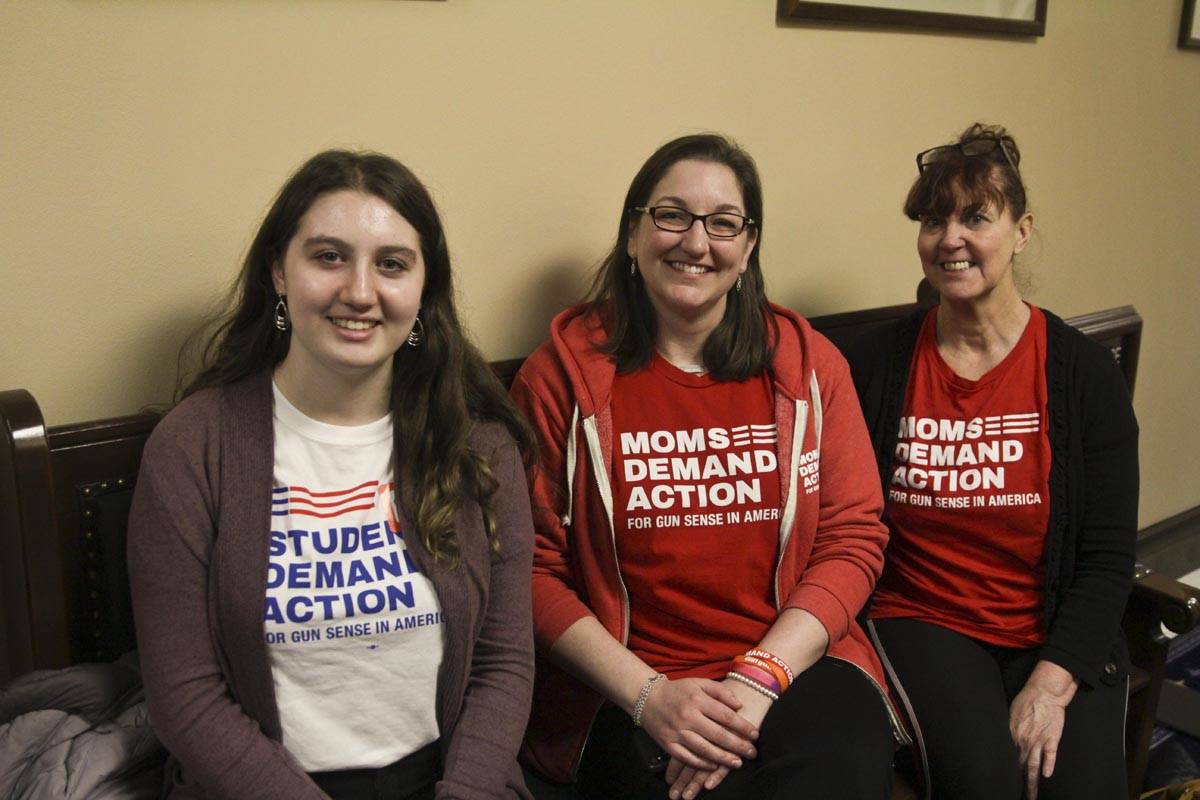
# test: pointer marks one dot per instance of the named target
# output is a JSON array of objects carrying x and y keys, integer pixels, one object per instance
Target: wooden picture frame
[
  {"x": 965, "y": 15},
  {"x": 1189, "y": 26}
]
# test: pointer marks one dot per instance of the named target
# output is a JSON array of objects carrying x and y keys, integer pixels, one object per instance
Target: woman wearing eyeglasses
[
  {"x": 1007, "y": 450},
  {"x": 707, "y": 518}
]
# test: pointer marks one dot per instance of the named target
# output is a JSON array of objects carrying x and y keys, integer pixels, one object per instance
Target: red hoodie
[{"x": 830, "y": 538}]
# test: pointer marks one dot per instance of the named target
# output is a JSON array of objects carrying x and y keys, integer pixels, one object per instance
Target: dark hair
[
  {"x": 439, "y": 389},
  {"x": 740, "y": 345},
  {"x": 955, "y": 181}
]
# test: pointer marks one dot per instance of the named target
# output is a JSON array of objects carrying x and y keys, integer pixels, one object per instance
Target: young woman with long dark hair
[{"x": 330, "y": 538}]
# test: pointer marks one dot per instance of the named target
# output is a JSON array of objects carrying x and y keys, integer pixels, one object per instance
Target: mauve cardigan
[{"x": 198, "y": 565}]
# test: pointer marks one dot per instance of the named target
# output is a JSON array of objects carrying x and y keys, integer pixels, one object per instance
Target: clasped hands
[{"x": 706, "y": 727}]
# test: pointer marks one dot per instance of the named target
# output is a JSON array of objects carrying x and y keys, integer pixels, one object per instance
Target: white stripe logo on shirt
[
  {"x": 743, "y": 435},
  {"x": 1011, "y": 424}
]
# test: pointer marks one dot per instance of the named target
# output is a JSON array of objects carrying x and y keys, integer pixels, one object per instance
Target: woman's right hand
[
  {"x": 696, "y": 722},
  {"x": 687, "y": 782}
]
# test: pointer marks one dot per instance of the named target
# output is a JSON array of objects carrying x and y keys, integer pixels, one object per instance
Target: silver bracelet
[
  {"x": 643, "y": 696},
  {"x": 753, "y": 684}
]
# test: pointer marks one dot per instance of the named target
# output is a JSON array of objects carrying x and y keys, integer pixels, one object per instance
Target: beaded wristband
[
  {"x": 774, "y": 659},
  {"x": 640, "y": 705},
  {"x": 768, "y": 666},
  {"x": 761, "y": 677},
  {"x": 755, "y": 685}
]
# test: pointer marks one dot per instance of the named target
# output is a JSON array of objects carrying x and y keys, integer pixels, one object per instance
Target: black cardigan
[{"x": 1093, "y": 483}]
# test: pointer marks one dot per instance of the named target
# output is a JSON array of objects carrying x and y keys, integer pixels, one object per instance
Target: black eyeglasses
[
  {"x": 972, "y": 148},
  {"x": 719, "y": 224}
]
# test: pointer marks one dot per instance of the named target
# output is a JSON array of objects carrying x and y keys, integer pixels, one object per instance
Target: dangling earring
[
  {"x": 633, "y": 267},
  {"x": 417, "y": 334},
  {"x": 738, "y": 285},
  {"x": 281, "y": 314}
]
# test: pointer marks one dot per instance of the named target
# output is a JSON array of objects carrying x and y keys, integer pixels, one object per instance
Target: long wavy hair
[
  {"x": 742, "y": 343},
  {"x": 440, "y": 390}
]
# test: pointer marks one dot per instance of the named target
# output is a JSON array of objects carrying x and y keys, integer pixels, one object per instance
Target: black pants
[
  {"x": 960, "y": 691},
  {"x": 827, "y": 736},
  {"x": 411, "y": 778}
]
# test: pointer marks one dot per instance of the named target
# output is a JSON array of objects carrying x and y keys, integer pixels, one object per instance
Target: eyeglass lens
[{"x": 677, "y": 220}]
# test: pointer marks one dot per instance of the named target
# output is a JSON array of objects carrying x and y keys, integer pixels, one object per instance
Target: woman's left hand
[
  {"x": 1036, "y": 718},
  {"x": 687, "y": 782}
]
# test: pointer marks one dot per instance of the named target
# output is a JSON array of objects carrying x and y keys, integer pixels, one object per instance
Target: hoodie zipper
[
  {"x": 600, "y": 471},
  {"x": 789, "y": 507},
  {"x": 898, "y": 732}
]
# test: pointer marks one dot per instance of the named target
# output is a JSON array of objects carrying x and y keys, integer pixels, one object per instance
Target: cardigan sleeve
[
  {"x": 221, "y": 749},
  {"x": 482, "y": 754},
  {"x": 1091, "y": 605}
]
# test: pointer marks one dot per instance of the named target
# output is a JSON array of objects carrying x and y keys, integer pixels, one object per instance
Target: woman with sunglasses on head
[
  {"x": 1007, "y": 450},
  {"x": 707, "y": 520},
  {"x": 330, "y": 540}
]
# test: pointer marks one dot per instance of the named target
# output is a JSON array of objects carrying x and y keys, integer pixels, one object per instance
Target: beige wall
[{"x": 141, "y": 141}]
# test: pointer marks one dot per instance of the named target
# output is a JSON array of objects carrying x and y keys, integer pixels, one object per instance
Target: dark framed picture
[
  {"x": 1017, "y": 17},
  {"x": 1189, "y": 26}
]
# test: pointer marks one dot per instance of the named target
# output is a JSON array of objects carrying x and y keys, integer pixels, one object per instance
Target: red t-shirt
[
  {"x": 968, "y": 498},
  {"x": 696, "y": 512}
]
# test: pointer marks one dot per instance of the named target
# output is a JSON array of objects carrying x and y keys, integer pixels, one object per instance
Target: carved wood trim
[{"x": 1120, "y": 329}]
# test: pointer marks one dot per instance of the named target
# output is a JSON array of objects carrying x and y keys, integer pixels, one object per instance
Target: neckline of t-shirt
[
  {"x": 295, "y": 419},
  {"x": 666, "y": 369},
  {"x": 947, "y": 373}
]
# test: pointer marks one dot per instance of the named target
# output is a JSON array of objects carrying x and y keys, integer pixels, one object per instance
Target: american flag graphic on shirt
[{"x": 304, "y": 502}]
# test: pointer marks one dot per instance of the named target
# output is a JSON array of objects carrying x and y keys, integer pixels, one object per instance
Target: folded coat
[{"x": 79, "y": 733}]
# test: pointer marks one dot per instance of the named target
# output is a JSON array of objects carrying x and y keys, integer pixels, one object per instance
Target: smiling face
[
  {"x": 688, "y": 274},
  {"x": 352, "y": 274},
  {"x": 967, "y": 255}
]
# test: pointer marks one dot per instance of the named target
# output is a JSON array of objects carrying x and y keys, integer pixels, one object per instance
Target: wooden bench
[{"x": 64, "y": 502}]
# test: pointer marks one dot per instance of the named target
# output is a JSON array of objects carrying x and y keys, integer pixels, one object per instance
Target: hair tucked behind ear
[{"x": 441, "y": 390}]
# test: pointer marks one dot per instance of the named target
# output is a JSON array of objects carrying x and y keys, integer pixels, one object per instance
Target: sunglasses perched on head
[{"x": 979, "y": 147}]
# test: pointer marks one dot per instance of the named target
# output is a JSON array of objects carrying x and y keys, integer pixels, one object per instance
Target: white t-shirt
[{"x": 354, "y": 631}]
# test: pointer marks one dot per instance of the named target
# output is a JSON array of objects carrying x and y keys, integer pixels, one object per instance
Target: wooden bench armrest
[
  {"x": 1167, "y": 601},
  {"x": 29, "y": 555},
  {"x": 1157, "y": 601}
]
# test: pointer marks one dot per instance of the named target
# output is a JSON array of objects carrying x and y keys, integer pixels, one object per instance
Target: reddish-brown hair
[{"x": 956, "y": 181}]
